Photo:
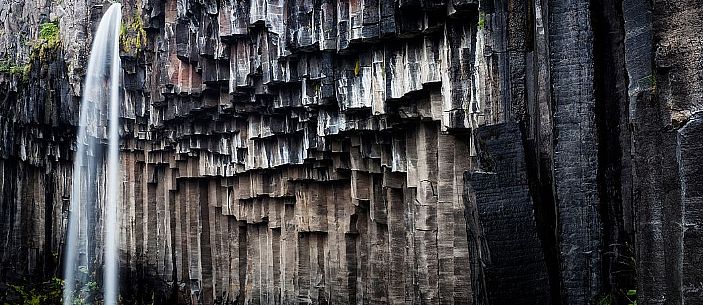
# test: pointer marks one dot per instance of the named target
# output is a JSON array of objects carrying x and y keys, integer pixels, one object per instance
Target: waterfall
[{"x": 102, "y": 84}]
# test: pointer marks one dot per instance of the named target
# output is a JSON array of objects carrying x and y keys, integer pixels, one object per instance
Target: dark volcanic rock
[
  {"x": 371, "y": 152},
  {"x": 513, "y": 256}
]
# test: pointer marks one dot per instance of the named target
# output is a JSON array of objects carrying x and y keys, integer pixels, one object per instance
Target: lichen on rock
[{"x": 132, "y": 35}]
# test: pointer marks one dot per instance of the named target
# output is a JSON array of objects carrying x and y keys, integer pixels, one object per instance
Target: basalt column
[{"x": 368, "y": 151}]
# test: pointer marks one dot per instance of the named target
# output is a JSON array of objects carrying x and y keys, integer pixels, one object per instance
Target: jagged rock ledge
[{"x": 385, "y": 152}]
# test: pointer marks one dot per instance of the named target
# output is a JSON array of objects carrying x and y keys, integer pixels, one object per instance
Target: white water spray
[{"x": 102, "y": 84}]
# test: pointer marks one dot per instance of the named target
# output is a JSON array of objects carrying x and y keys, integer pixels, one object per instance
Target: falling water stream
[{"x": 90, "y": 214}]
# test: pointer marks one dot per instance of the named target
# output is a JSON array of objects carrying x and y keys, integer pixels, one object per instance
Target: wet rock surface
[{"x": 370, "y": 152}]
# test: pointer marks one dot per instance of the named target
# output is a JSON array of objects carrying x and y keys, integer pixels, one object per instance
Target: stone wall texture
[{"x": 371, "y": 151}]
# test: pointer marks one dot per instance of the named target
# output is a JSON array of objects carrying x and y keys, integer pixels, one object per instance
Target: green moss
[
  {"x": 481, "y": 20},
  {"x": 7, "y": 67},
  {"x": 18, "y": 69},
  {"x": 609, "y": 299},
  {"x": 357, "y": 67},
  {"x": 651, "y": 81},
  {"x": 604, "y": 300},
  {"x": 49, "y": 33},
  {"x": 49, "y": 292},
  {"x": 45, "y": 46},
  {"x": 132, "y": 35},
  {"x": 48, "y": 43},
  {"x": 631, "y": 296}
]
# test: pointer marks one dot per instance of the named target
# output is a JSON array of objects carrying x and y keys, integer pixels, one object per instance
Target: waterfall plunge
[{"x": 101, "y": 85}]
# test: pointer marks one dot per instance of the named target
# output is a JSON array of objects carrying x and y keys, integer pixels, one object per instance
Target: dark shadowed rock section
[
  {"x": 512, "y": 256},
  {"x": 481, "y": 152}
]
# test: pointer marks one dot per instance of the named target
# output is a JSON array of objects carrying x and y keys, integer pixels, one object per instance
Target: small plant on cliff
[
  {"x": 631, "y": 296},
  {"x": 481, "y": 20},
  {"x": 45, "y": 293},
  {"x": 7, "y": 67},
  {"x": 49, "y": 32},
  {"x": 133, "y": 35},
  {"x": 357, "y": 67},
  {"x": 651, "y": 81},
  {"x": 606, "y": 299},
  {"x": 48, "y": 42}
]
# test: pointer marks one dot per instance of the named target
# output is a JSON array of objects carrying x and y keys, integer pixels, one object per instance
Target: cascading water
[{"x": 101, "y": 86}]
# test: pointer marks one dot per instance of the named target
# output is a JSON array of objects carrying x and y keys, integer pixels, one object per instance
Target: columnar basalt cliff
[{"x": 370, "y": 151}]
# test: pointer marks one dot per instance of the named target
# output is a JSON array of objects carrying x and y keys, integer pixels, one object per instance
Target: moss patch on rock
[
  {"x": 49, "y": 32},
  {"x": 133, "y": 36},
  {"x": 44, "y": 293},
  {"x": 48, "y": 42},
  {"x": 8, "y": 67}
]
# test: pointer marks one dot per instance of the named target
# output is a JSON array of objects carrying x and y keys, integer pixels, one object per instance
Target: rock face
[{"x": 371, "y": 151}]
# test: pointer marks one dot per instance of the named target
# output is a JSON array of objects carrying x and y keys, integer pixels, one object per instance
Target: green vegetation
[
  {"x": 10, "y": 68},
  {"x": 7, "y": 67},
  {"x": 481, "y": 20},
  {"x": 631, "y": 296},
  {"x": 49, "y": 292},
  {"x": 49, "y": 40},
  {"x": 133, "y": 35},
  {"x": 47, "y": 44},
  {"x": 609, "y": 299},
  {"x": 651, "y": 81},
  {"x": 628, "y": 259},
  {"x": 86, "y": 294},
  {"x": 49, "y": 32},
  {"x": 357, "y": 67},
  {"x": 605, "y": 300}
]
